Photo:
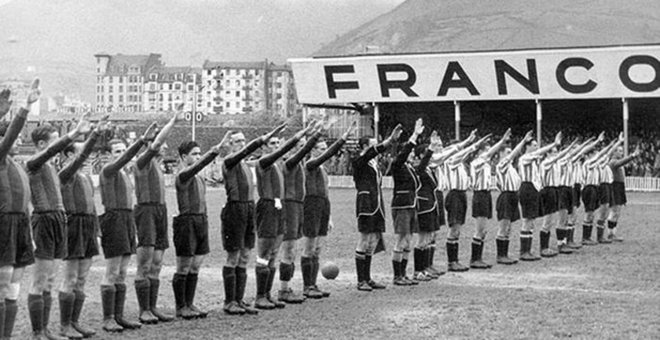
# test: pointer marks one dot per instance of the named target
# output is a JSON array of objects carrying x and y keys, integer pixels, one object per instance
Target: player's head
[
  {"x": 237, "y": 141},
  {"x": 44, "y": 135},
  {"x": 189, "y": 152},
  {"x": 366, "y": 142},
  {"x": 320, "y": 147},
  {"x": 117, "y": 148},
  {"x": 505, "y": 152},
  {"x": 417, "y": 153},
  {"x": 272, "y": 144},
  {"x": 71, "y": 151},
  {"x": 618, "y": 152},
  {"x": 531, "y": 146},
  {"x": 3, "y": 130}
]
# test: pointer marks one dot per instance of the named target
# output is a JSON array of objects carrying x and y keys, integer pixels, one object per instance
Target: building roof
[
  {"x": 119, "y": 64},
  {"x": 421, "y": 26},
  {"x": 234, "y": 64}
]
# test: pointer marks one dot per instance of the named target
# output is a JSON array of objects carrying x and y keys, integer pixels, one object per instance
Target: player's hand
[
  {"x": 621, "y": 138},
  {"x": 436, "y": 141},
  {"x": 35, "y": 92},
  {"x": 473, "y": 136},
  {"x": 558, "y": 138},
  {"x": 278, "y": 204},
  {"x": 348, "y": 131},
  {"x": 103, "y": 124},
  {"x": 5, "y": 103},
  {"x": 419, "y": 127},
  {"x": 396, "y": 133},
  {"x": 529, "y": 136},
  {"x": 601, "y": 137},
  {"x": 304, "y": 132},
  {"x": 150, "y": 130},
  {"x": 216, "y": 148},
  {"x": 84, "y": 126},
  {"x": 277, "y": 130},
  {"x": 331, "y": 225},
  {"x": 507, "y": 134}
]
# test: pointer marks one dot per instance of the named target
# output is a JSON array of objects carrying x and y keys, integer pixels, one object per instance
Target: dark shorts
[
  {"x": 429, "y": 221},
  {"x": 49, "y": 233},
  {"x": 604, "y": 193},
  {"x": 456, "y": 206},
  {"x": 118, "y": 233},
  {"x": 619, "y": 194},
  {"x": 507, "y": 206},
  {"x": 237, "y": 226},
  {"x": 549, "y": 201},
  {"x": 590, "y": 198},
  {"x": 293, "y": 220},
  {"x": 269, "y": 219},
  {"x": 530, "y": 200},
  {"x": 577, "y": 191},
  {"x": 317, "y": 216},
  {"x": 405, "y": 221},
  {"x": 565, "y": 198},
  {"x": 371, "y": 223},
  {"x": 482, "y": 204},
  {"x": 82, "y": 231},
  {"x": 16, "y": 240},
  {"x": 151, "y": 224},
  {"x": 190, "y": 234}
]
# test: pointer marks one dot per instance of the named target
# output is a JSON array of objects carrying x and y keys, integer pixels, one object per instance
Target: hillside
[
  {"x": 56, "y": 39},
  {"x": 469, "y": 25}
]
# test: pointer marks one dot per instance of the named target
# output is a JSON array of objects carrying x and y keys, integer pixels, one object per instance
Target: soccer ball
[{"x": 330, "y": 270}]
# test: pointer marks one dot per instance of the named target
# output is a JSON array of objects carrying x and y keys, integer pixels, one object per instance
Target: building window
[
  {"x": 238, "y": 93},
  {"x": 110, "y": 98},
  {"x": 278, "y": 85},
  {"x": 110, "y": 88},
  {"x": 238, "y": 82},
  {"x": 121, "y": 88},
  {"x": 191, "y": 87},
  {"x": 153, "y": 76},
  {"x": 238, "y": 104},
  {"x": 279, "y": 96},
  {"x": 228, "y": 83},
  {"x": 121, "y": 98},
  {"x": 228, "y": 103},
  {"x": 177, "y": 87}
]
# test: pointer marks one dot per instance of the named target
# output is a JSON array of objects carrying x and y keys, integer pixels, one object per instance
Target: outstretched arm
[
  {"x": 154, "y": 148},
  {"x": 268, "y": 160},
  {"x": 331, "y": 151},
  {"x": 68, "y": 171},
  {"x": 38, "y": 160},
  {"x": 233, "y": 159},
  {"x": 460, "y": 156},
  {"x": 17, "y": 123},
  {"x": 542, "y": 151},
  {"x": 309, "y": 145},
  {"x": 499, "y": 145},
  {"x": 372, "y": 152},
  {"x": 190, "y": 172}
]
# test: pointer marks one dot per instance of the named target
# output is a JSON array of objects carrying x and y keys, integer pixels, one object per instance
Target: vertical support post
[
  {"x": 626, "y": 114},
  {"x": 539, "y": 120},
  {"x": 376, "y": 120},
  {"x": 194, "y": 109},
  {"x": 304, "y": 116},
  {"x": 457, "y": 119}
]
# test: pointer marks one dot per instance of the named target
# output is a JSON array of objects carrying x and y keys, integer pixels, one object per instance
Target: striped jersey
[
  {"x": 480, "y": 172},
  {"x": 457, "y": 176},
  {"x": 549, "y": 174},
  {"x": 592, "y": 173},
  {"x": 578, "y": 173},
  {"x": 528, "y": 169},
  {"x": 606, "y": 175},
  {"x": 507, "y": 176},
  {"x": 566, "y": 176}
]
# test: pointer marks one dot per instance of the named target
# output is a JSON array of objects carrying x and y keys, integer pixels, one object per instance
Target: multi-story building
[
  {"x": 248, "y": 87},
  {"x": 137, "y": 83},
  {"x": 120, "y": 80},
  {"x": 167, "y": 87}
]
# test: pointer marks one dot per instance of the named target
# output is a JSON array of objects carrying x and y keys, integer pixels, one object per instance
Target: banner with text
[{"x": 607, "y": 72}]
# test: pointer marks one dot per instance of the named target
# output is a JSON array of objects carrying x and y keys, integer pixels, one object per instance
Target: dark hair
[
  {"x": 420, "y": 150},
  {"x": 42, "y": 132},
  {"x": 3, "y": 128},
  {"x": 364, "y": 141},
  {"x": 71, "y": 148},
  {"x": 115, "y": 141},
  {"x": 186, "y": 147}
]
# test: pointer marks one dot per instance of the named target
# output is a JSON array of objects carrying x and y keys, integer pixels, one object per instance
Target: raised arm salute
[
  {"x": 15, "y": 235},
  {"x": 118, "y": 231},
  {"x": 316, "y": 208},
  {"x": 369, "y": 206},
  {"x": 82, "y": 226},
  {"x": 238, "y": 234},
  {"x": 293, "y": 214},
  {"x": 482, "y": 202},
  {"x": 151, "y": 224},
  {"x": 190, "y": 227},
  {"x": 530, "y": 198},
  {"x": 48, "y": 219},
  {"x": 508, "y": 181},
  {"x": 270, "y": 218}
]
